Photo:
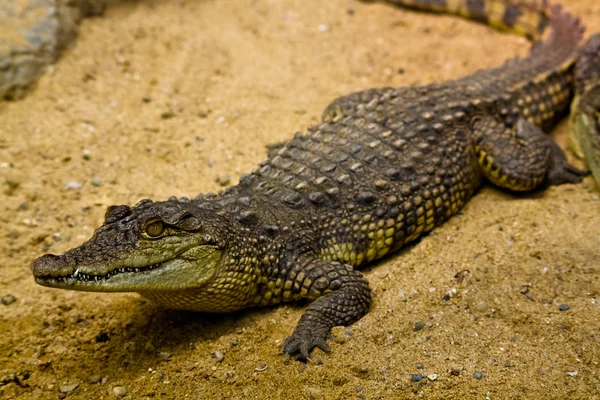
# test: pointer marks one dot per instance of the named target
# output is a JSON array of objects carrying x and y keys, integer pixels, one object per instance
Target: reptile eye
[{"x": 155, "y": 229}]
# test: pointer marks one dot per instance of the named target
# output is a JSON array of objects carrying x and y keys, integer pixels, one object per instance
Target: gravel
[
  {"x": 564, "y": 307},
  {"x": 419, "y": 325}
]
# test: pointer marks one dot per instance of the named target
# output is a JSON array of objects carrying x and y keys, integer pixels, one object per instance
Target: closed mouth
[{"x": 81, "y": 277}]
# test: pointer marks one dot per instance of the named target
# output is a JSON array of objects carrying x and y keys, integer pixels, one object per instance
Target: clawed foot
[
  {"x": 305, "y": 339},
  {"x": 562, "y": 172}
]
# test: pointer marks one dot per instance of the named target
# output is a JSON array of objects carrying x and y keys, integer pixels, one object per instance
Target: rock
[
  {"x": 8, "y": 299},
  {"x": 34, "y": 32},
  {"x": 419, "y": 325},
  {"x": 481, "y": 306},
  {"x": 94, "y": 379},
  {"x": 478, "y": 374},
  {"x": 432, "y": 377},
  {"x": 564, "y": 307},
  {"x": 217, "y": 355},
  {"x": 69, "y": 388},
  {"x": 416, "y": 377},
  {"x": 119, "y": 391},
  {"x": 223, "y": 180},
  {"x": 73, "y": 185}
]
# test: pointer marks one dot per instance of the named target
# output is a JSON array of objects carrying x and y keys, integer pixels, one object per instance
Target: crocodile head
[{"x": 169, "y": 245}]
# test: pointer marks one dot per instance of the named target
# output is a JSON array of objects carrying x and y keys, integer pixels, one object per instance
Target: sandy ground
[{"x": 162, "y": 98}]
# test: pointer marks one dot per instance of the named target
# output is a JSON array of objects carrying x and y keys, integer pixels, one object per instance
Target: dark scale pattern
[
  {"x": 525, "y": 17},
  {"x": 384, "y": 167}
]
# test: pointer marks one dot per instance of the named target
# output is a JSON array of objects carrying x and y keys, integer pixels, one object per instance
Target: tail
[
  {"x": 527, "y": 18},
  {"x": 546, "y": 73},
  {"x": 566, "y": 34}
]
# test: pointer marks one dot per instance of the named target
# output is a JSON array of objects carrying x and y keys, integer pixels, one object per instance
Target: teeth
[{"x": 80, "y": 276}]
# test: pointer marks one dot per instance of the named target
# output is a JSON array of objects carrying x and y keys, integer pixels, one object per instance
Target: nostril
[{"x": 48, "y": 264}]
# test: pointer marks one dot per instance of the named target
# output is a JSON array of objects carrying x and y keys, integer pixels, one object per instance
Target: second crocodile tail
[{"x": 528, "y": 18}]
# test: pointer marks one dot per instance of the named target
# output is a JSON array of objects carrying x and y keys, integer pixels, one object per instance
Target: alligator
[{"x": 384, "y": 167}]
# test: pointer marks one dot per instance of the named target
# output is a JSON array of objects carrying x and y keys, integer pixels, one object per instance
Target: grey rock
[{"x": 33, "y": 34}]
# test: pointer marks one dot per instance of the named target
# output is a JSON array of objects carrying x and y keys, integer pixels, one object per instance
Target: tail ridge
[{"x": 566, "y": 28}]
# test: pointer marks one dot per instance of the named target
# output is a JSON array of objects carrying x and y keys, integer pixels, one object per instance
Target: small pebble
[
  {"x": 420, "y": 366},
  {"x": 8, "y": 299},
  {"x": 564, "y": 307},
  {"x": 163, "y": 355},
  {"x": 73, "y": 185},
  {"x": 69, "y": 388},
  {"x": 217, "y": 355},
  {"x": 223, "y": 180},
  {"x": 432, "y": 377},
  {"x": 478, "y": 374},
  {"x": 481, "y": 306},
  {"x": 323, "y": 28},
  {"x": 119, "y": 391},
  {"x": 455, "y": 372},
  {"x": 96, "y": 182},
  {"x": 94, "y": 379},
  {"x": 234, "y": 342},
  {"x": 419, "y": 325},
  {"x": 572, "y": 373},
  {"x": 416, "y": 377}
]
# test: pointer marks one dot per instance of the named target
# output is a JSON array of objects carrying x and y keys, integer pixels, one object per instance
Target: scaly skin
[
  {"x": 383, "y": 168},
  {"x": 585, "y": 110},
  {"x": 524, "y": 17}
]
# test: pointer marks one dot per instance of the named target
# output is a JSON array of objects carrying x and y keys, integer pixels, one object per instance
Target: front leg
[{"x": 342, "y": 297}]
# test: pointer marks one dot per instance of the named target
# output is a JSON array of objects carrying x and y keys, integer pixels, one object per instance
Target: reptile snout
[{"x": 50, "y": 265}]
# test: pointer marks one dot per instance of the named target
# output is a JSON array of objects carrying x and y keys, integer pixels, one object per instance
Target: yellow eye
[{"x": 155, "y": 229}]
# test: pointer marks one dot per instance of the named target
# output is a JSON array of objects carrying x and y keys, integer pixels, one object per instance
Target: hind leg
[{"x": 522, "y": 157}]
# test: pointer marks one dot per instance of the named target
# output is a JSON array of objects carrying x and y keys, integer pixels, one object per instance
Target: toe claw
[{"x": 304, "y": 340}]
